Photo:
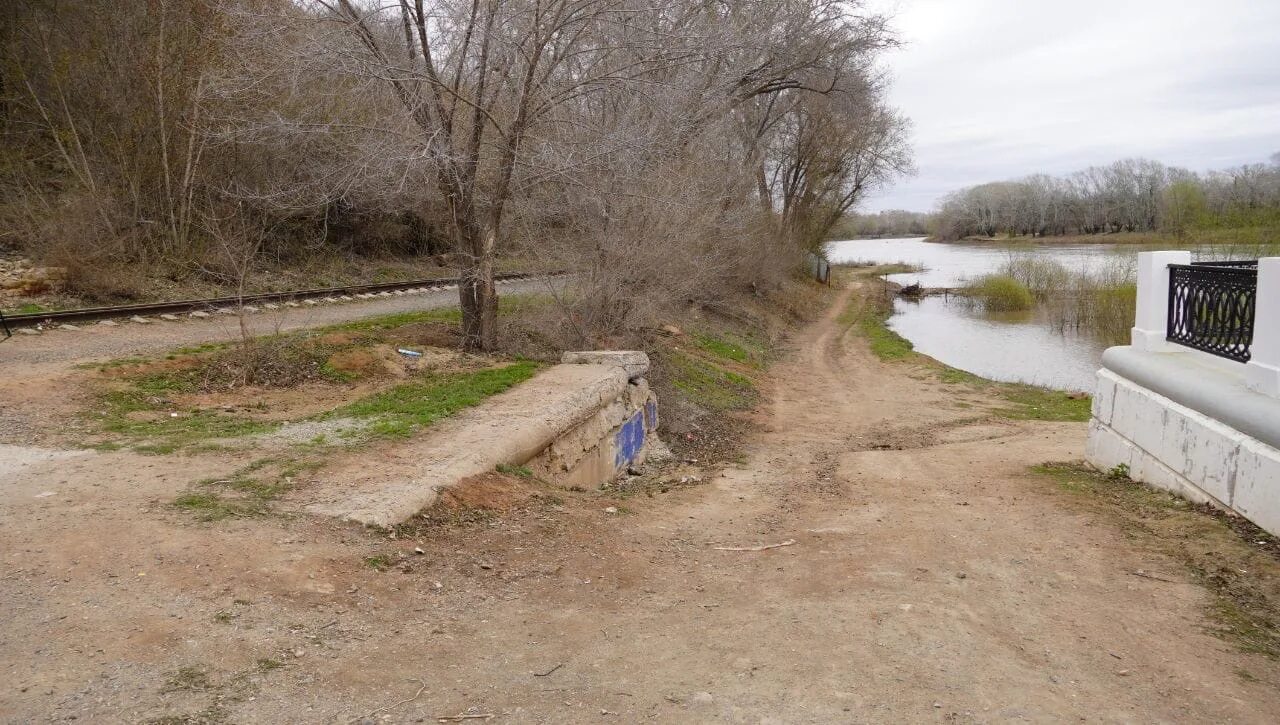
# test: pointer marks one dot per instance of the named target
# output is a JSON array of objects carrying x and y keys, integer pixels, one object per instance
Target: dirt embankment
[{"x": 931, "y": 575}]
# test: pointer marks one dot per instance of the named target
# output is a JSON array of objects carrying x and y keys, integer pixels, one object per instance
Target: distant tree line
[
  {"x": 1133, "y": 195},
  {"x": 887, "y": 223},
  {"x": 666, "y": 151}
]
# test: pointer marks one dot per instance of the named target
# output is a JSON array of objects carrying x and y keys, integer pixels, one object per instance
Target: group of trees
[
  {"x": 1130, "y": 195},
  {"x": 664, "y": 151},
  {"x": 887, "y": 223}
]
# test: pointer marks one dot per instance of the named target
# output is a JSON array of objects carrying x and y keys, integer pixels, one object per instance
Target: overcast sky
[{"x": 998, "y": 89}]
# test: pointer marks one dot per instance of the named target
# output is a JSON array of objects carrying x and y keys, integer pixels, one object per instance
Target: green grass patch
[
  {"x": 508, "y": 304},
  {"x": 209, "y": 506},
  {"x": 519, "y": 471},
  {"x": 708, "y": 384},
  {"x": 401, "y": 410},
  {"x": 242, "y": 495},
  {"x": 397, "y": 319},
  {"x": 1030, "y": 402},
  {"x": 732, "y": 347},
  {"x": 872, "y": 323},
  {"x": 142, "y": 419},
  {"x": 379, "y": 562}
]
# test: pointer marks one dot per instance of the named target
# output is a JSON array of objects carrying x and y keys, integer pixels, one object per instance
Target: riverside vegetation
[
  {"x": 1099, "y": 301},
  {"x": 870, "y": 313}
]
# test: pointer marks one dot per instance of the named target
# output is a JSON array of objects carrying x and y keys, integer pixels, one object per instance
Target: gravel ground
[{"x": 58, "y": 348}]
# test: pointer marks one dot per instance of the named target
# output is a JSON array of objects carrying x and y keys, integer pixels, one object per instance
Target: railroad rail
[{"x": 216, "y": 304}]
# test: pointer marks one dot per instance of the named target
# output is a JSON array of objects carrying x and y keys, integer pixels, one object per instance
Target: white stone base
[{"x": 1170, "y": 446}]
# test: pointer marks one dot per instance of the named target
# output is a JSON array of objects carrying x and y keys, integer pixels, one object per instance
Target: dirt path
[{"x": 931, "y": 578}]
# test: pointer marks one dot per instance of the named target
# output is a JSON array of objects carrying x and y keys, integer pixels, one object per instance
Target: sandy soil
[{"x": 931, "y": 578}]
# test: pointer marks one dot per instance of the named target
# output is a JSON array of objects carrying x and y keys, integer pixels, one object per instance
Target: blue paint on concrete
[
  {"x": 651, "y": 415},
  {"x": 629, "y": 441}
]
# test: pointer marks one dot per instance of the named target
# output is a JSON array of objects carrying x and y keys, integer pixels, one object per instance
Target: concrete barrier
[
  {"x": 1144, "y": 419},
  {"x": 579, "y": 423}
]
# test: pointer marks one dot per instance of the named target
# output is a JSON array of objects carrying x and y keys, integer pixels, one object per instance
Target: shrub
[{"x": 1001, "y": 293}]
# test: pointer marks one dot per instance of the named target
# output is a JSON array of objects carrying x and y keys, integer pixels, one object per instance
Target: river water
[{"x": 1013, "y": 347}]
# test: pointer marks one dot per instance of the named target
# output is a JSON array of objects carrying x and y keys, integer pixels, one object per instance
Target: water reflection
[{"x": 1009, "y": 346}]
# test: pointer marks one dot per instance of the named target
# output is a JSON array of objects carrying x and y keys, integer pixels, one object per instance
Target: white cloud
[{"x": 998, "y": 89}]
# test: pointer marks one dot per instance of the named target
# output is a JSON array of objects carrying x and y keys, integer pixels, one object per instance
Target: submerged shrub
[
  {"x": 1001, "y": 293},
  {"x": 1042, "y": 276}
]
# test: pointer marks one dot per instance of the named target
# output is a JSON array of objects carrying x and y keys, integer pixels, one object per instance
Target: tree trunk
[{"x": 478, "y": 296}]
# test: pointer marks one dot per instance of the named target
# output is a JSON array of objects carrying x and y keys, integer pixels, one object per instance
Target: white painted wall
[{"x": 1169, "y": 446}]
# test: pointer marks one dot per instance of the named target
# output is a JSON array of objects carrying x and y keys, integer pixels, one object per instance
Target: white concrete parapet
[
  {"x": 1201, "y": 426},
  {"x": 1262, "y": 372},
  {"x": 1152, "y": 319}
]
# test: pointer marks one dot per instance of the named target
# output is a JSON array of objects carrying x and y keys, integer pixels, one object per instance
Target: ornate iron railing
[{"x": 1211, "y": 307}]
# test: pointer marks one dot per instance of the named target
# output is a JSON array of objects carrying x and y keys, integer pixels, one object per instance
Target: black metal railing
[{"x": 1211, "y": 307}]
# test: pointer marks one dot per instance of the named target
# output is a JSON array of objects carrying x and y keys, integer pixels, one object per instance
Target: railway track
[{"x": 224, "y": 305}]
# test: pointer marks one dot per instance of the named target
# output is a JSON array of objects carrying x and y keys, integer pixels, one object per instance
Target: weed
[
  {"x": 521, "y": 471},
  {"x": 224, "y": 617},
  {"x": 1119, "y": 472},
  {"x": 379, "y": 562},
  {"x": 266, "y": 664},
  {"x": 188, "y": 679},
  {"x": 212, "y": 507}
]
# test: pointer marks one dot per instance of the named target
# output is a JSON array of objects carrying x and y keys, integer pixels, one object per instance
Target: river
[{"x": 1013, "y": 347}]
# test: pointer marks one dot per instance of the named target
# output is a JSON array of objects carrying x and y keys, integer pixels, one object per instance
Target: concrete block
[
  {"x": 1104, "y": 396},
  {"x": 510, "y": 428},
  {"x": 1202, "y": 451},
  {"x": 1257, "y": 489},
  {"x": 1107, "y": 449},
  {"x": 635, "y": 362}
]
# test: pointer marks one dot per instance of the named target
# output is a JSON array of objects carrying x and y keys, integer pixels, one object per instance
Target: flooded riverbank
[{"x": 1020, "y": 347}]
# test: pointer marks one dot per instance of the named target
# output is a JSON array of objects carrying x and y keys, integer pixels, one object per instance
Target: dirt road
[{"x": 931, "y": 578}]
